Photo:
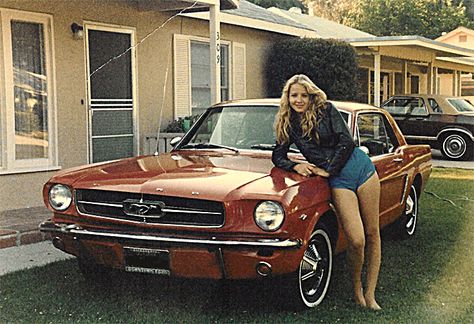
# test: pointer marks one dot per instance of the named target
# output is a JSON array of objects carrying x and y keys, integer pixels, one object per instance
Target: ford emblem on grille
[{"x": 134, "y": 207}]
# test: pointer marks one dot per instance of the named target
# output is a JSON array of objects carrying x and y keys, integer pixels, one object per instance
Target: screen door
[{"x": 111, "y": 102}]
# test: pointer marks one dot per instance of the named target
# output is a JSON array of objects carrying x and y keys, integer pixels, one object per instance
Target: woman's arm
[
  {"x": 280, "y": 157},
  {"x": 345, "y": 145}
]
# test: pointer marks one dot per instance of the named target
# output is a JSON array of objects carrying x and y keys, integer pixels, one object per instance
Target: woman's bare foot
[
  {"x": 372, "y": 304},
  {"x": 359, "y": 298}
]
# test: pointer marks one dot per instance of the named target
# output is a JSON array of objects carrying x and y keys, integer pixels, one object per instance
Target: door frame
[{"x": 89, "y": 25}]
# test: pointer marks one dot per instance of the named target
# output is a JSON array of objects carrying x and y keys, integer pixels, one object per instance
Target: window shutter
[
  {"x": 182, "y": 76},
  {"x": 239, "y": 90}
]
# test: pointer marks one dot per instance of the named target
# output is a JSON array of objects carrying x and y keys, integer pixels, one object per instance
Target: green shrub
[
  {"x": 181, "y": 125},
  {"x": 331, "y": 64}
]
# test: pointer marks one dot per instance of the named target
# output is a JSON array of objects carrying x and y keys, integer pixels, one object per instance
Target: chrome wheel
[
  {"x": 315, "y": 269},
  {"x": 411, "y": 211},
  {"x": 455, "y": 147}
]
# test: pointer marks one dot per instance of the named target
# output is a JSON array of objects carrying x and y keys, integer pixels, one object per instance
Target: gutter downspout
[{"x": 215, "y": 55}]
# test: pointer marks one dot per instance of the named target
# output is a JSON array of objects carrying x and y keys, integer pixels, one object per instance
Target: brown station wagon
[
  {"x": 446, "y": 123},
  {"x": 216, "y": 207}
]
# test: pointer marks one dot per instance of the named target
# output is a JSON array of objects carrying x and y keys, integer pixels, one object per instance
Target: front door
[{"x": 110, "y": 63}]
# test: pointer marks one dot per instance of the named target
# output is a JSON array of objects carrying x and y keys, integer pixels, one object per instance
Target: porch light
[{"x": 77, "y": 31}]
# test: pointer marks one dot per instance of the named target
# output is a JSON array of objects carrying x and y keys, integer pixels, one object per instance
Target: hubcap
[
  {"x": 309, "y": 269},
  {"x": 455, "y": 146},
  {"x": 411, "y": 211},
  {"x": 315, "y": 269}
]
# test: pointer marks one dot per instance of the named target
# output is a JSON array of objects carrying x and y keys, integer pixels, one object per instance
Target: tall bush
[{"x": 331, "y": 64}]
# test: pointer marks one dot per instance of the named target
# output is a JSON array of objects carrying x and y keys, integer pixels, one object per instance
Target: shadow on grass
[{"x": 415, "y": 285}]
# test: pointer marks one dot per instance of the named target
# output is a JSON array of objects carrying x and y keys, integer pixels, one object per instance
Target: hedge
[{"x": 331, "y": 64}]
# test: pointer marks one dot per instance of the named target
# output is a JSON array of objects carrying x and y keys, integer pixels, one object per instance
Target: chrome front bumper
[{"x": 51, "y": 227}]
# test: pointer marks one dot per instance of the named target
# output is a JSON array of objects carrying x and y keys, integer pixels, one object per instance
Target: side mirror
[{"x": 175, "y": 140}]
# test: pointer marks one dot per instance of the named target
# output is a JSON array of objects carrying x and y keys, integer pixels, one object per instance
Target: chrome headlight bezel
[
  {"x": 269, "y": 215},
  {"x": 60, "y": 197}
]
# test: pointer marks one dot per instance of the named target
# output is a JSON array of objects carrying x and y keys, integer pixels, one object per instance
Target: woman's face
[{"x": 298, "y": 98}]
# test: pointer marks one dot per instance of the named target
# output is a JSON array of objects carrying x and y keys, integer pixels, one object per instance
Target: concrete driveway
[{"x": 440, "y": 161}]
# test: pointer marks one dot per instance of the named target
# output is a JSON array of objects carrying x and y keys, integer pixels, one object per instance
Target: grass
[{"x": 426, "y": 279}]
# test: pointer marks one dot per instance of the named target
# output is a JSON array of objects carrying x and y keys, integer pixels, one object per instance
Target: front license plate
[{"x": 146, "y": 260}]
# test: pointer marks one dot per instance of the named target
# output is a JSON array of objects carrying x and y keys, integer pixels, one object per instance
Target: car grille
[{"x": 153, "y": 209}]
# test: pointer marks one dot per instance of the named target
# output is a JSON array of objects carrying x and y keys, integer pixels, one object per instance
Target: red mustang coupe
[{"x": 216, "y": 207}]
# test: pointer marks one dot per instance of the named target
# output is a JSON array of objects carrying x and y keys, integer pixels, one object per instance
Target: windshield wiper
[
  {"x": 269, "y": 147},
  {"x": 209, "y": 145}
]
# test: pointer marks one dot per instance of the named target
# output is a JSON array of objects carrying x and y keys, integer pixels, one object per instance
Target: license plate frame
[{"x": 147, "y": 260}]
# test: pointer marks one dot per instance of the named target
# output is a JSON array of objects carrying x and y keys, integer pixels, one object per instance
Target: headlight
[
  {"x": 269, "y": 215},
  {"x": 60, "y": 197}
]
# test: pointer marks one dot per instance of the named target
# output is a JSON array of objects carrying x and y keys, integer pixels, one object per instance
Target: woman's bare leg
[
  {"x": 347, "y": 207},
  {"x": 369, "y": 197}
]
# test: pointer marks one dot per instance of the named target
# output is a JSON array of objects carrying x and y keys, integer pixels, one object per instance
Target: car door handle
[{"x": 397, "y": 160}]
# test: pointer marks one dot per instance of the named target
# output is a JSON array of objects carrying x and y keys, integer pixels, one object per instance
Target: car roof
[
  {"x": 435, "y": 96},
  {"x": 347, "y": 106}
]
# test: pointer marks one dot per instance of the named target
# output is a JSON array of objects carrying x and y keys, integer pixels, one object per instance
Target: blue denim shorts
[{"x": 358, "y": 169}]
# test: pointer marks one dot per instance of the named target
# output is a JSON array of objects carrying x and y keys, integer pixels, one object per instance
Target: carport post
[
  {"x": 215, "y": 48},
  {"x": 429, "y": 79},
  {"x": 377, "y": 79}
]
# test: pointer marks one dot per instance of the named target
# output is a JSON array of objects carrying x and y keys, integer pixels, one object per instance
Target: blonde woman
[{"x": 315, "y": 126}]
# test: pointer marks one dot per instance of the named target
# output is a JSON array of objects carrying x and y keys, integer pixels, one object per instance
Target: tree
[
  {"x": 282, "y": 4},
  {"x": 335, "y": 10},
  {"x": 428, "y": 18},
  {"x": 331, "y": 64}
]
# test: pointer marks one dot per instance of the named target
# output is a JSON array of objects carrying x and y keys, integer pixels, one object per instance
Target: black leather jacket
[{"x": 334, "y": 148}]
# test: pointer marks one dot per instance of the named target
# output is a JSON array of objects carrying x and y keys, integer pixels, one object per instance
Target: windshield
[
  {"x": 241, "y": 127},
  {"x": 461, "y": 105}
]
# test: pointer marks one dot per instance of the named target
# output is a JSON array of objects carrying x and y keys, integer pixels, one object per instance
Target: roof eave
[
  {"x": 255, "y": 24},
  {"x": 446, "y": 49}
]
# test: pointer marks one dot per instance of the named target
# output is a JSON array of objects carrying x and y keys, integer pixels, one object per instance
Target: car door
[
  {"x": 413, "y": 118},
  {"x": 375, "y": 135}
]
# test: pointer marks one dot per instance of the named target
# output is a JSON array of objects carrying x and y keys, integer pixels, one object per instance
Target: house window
[
  {"x": 200, "y": 75},
  {"x": 192, "y": 88},
  {"x": 28, "y": 107},
  {"x": 462, "y": 38}
]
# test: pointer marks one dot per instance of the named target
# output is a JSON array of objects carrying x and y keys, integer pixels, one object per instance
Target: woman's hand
[{"x": 308, "y": 169}]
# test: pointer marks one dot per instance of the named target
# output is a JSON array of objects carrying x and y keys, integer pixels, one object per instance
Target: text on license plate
[{"x": 145, "y": 260}]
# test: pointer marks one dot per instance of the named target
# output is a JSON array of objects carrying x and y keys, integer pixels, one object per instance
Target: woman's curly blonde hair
[{"x": 310, "y": 119}]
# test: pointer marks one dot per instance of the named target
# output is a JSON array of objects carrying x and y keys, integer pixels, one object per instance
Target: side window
[
  {"x": 418, "y": 107},
  {"x": 434, "y": 105},
  {"x": 396, "y": 106},
  {"x": 376, "y": 134},
  {"x": 406, "y": 106}
]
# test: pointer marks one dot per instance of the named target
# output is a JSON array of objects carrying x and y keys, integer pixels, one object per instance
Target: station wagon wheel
[
  {"x": 456, "y": 146},
  {"x": 314, "y": 273}
]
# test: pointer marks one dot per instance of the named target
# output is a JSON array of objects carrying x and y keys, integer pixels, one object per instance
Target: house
[
  {"x": 88, "y": 81},
  {"x": 462, "y": 37}
]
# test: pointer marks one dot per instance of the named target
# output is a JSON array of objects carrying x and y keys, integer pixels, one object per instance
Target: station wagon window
[
  {"x": 461, "y": 105},
  {"x": 434, "y": 105},
  {"x": 28, "y": 142},
  {"x": 375, "y": 133},
  {"x": 406, "y": 106}
]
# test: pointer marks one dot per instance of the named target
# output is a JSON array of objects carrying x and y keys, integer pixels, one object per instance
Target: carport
[{"x": 409, "y": 64}]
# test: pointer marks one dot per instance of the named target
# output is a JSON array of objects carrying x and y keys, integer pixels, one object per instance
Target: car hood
[{"x": 198, "y": 174}]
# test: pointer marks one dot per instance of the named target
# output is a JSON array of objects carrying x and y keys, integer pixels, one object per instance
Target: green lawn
[{"x": 427, "y": 279}]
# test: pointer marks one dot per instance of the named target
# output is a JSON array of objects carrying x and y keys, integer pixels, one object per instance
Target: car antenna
[{"x": 161, "y": 110}]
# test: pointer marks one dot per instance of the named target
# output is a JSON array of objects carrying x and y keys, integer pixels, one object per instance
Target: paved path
[
  {"x": 440, "y": 161},
  {"x": 28, "y": 256}
]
